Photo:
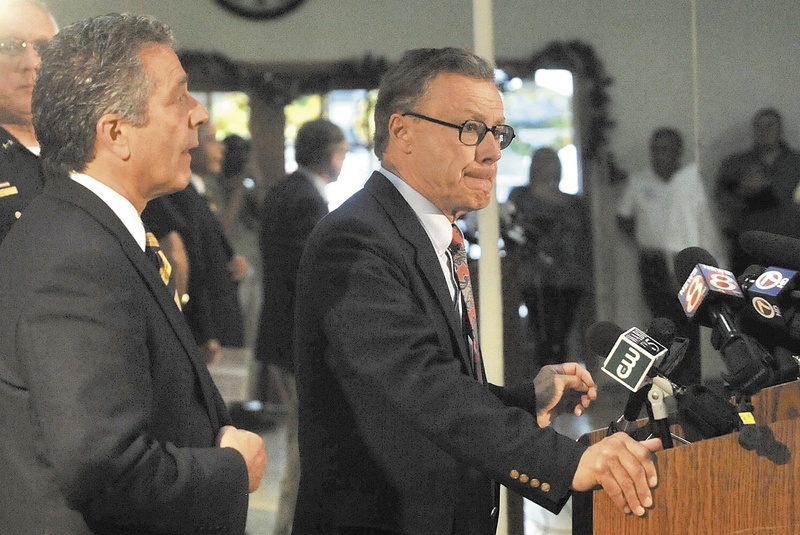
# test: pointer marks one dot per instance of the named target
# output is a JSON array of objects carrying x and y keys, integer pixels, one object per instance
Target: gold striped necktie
[{"x": 159, "y": 259}]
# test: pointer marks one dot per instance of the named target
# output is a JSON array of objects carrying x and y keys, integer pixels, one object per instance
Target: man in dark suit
[
  {"x": 400, "y": 433},
  {"x": 109, "y": 420},
  {"x": 289, "y": 212},
  {"x": 25, "y": 25}
]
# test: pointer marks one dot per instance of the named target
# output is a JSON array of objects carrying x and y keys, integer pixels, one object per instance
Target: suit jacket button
[
  {"x": 535, "y": 483},
  {"x": 17, "y": 214},
  {"x": 514, "y": 474},
  {"x": 545, "y": 487},
  {"x": 523, "y": 478}
]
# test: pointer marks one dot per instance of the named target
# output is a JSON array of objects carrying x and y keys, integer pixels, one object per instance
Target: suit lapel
[
  {"x": 78, "y": 195},
  {"x": 411, "y": 230}
]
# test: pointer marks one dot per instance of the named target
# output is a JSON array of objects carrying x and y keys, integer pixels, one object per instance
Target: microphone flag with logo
[{"x": 631, "y": 358}]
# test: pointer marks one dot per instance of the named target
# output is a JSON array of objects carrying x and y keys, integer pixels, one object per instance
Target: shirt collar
[
  {"x": 121, "y": 206},
  {"x": 435, "y": 223},
  {"x": 317, "y": 180}
]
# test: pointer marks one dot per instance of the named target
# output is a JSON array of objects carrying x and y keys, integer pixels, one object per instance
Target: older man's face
[
  {"x": 20, "y": 21},
  {"x": 454, "y": 177}
]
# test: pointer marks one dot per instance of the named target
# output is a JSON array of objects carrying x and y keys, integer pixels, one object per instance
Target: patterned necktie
[
  {"x": 159, "y": 259},
  {"x": 459, "y": 253}
]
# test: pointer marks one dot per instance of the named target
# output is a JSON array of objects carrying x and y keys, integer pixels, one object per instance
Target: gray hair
[
  {"x": 91, "y": 68},
  {"x": 405, "y": 83}
]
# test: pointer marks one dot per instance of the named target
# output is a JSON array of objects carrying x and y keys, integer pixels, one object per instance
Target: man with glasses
[
  {"x": 400, "y": 430},
  {"x": 25, "y": 27}
]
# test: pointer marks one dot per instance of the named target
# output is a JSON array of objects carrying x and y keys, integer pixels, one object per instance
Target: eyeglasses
[
  {"x": 472, "y": 132},
  {"x": 13, "y": 47}
]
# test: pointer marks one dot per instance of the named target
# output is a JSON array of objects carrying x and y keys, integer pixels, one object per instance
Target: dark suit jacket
[
  {"x": 21, "y": 179},
  {"x": 395, "y": 433},
  {"x": 108, "y": 417},
  {"x": 290, "y": 210}
]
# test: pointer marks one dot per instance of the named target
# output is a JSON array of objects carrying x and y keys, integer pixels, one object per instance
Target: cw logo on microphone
[
  {"x": 631, "y": 358},
  {"x": 628, "y": 363}
]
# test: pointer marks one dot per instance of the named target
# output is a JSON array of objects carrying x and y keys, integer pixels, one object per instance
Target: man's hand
[
  {"x": 238, "y": 268},
  {"x": 251, "y": 446},
  {"x": 562, "y": 388},
  {"x": 624, "y": 468},
  {"x": 212, "y": 350}
]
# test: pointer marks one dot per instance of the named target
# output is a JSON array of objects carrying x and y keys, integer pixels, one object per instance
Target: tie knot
[
  {"x": 151, "y": 241},
  {"x": 457, "y": 243}
]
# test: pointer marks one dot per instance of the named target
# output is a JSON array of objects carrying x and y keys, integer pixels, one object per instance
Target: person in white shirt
[{"x": 664, "y": 208}]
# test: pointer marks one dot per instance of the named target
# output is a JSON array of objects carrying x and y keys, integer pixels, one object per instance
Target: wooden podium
[{"x": 714, "y": 486}]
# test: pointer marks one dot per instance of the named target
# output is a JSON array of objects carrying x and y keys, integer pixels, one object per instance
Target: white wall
[
  {"x": 747, "y": 55},
  {"x": 747, "y": 51}
]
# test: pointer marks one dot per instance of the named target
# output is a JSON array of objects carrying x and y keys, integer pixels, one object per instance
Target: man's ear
[
  {"x": 113, "y": 133},
  {"x": 400, "y": 133}
]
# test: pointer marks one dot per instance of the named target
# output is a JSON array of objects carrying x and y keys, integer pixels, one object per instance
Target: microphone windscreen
[
  {"x": 688, "y": 258},
  {"x": 769, "y": 248},
  {"x": 602, "y": 336},
  {"x": 663, "y": 331}
]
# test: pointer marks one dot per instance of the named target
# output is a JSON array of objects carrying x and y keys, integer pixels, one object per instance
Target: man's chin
[{"x": 178, "y": 185}]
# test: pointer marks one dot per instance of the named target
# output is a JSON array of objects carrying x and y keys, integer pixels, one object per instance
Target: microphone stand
[{"x": 658, "y": 412}]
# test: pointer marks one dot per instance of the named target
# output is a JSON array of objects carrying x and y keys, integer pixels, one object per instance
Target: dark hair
[
  {"x": 763, "y": 112},
  {"x": 315, "y": 142},
  {"x": 405, "y": 83},
  {"x": 91, "y": 68},
  {"x": 666, "y": 131},
  {"x": 237, "y": 154}
]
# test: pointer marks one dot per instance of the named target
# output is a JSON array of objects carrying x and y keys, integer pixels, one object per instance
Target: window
[
  {"x": 352, "y": 111},
  {"x": 540, "y": 110}
]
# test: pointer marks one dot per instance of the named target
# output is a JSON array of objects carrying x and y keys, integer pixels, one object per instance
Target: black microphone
[
  {"x": 769, "y": 248},
  {"x": 707, "y": 297},
  {"x": 706, "y": 411},
  {"x": 701, "y": 409},
  {"x": 774, "y": 301}
]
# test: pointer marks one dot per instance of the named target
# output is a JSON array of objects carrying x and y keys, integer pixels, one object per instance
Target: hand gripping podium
[{"x": 714, "y": 486}]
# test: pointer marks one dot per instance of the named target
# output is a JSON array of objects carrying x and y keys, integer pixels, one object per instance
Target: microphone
[
  {"x": 706, "y": 412},
  {"x": 771, "y": 291},
  {"x": 631, "y": 356},
  {"x": 606, "y": 338},
  {"x": 774, "y": 302},
  {"x": 709, "y": 290},
  {"x": 771, "y": 248},
  {"x": 702, "y": 410},
  {"x": 706, "y": 297}
]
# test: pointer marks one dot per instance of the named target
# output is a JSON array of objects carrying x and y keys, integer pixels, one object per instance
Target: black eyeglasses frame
[{"x": 507, "y": 129}]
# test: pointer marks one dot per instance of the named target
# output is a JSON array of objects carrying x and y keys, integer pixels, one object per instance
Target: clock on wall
[{"x": 260, "y": 9}]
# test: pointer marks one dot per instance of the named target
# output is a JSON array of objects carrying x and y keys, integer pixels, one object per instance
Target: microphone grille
[
  {"x": 769, "y": 248},
  {"x": 663, "y": 331},
  {"x": 602, "y": 336},
  {"x": 688, "y": 258}
]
